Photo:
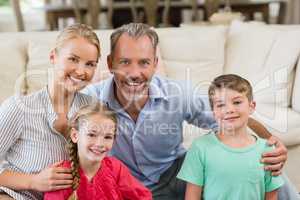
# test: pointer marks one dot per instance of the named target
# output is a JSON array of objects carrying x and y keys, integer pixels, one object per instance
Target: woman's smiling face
[{"x": 75, "y": 63}]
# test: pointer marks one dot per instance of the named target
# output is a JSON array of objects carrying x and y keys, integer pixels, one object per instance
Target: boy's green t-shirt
[{"x": 228, "y": 173}]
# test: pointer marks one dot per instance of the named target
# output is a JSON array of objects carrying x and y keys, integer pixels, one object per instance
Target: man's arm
[
  {"x": 258, "y": 128},
  {"x": 276, "y": 158}
]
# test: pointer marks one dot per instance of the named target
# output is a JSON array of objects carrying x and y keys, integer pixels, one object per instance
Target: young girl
[
  {"x": 226, "y": 165},
  {"x": 33, "y": 127},
  {"x": 96, "y": 175}
]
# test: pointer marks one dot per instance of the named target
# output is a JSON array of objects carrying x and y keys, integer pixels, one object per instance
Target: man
[{"x": 151, "y": 111}]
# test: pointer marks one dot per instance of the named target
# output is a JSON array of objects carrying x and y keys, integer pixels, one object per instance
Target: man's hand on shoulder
[{"x": 276, "y": 158}]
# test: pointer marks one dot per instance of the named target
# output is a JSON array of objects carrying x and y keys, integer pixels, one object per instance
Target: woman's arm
[
  {"x": 271, "y": 195},
  {"x": 49, "y": 179},
  {"x": 193, "y": 192}
]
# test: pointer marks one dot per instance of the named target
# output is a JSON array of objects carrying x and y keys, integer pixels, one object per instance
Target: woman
[{"x": 33, "y": 129}]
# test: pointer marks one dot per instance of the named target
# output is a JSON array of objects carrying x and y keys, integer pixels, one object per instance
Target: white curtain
[{"x": 293, "y": 12}]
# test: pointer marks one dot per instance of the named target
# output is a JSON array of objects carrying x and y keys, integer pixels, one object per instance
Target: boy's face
[
  {"x": 231, "y": 109},
  {"x": 94, "y": 138}
]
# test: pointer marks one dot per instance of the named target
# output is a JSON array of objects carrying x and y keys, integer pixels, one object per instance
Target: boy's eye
[
  {"x": 237, "y": 102},
  {"x": 124, "y": 62}
]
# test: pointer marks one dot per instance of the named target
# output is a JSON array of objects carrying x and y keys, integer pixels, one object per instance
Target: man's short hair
[
  {"x": 134, "y": 30},
  {"x": 230, "y": 81}
]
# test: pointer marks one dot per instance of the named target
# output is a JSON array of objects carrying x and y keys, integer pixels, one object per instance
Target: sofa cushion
[
  {"x": 266, "y": 56},
  {"x": 195, "y": 54},
  {"x": 39, "y": 66},
  {"x": 296, "y": 90},
  {"x": 12, "y": 62},
  {"x": 280, "y": 121}
]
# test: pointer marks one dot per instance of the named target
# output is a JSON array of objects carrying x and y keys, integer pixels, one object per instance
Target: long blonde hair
[
  {"x": 77, "y": 30},
  {"x": 83, "y": 114}
]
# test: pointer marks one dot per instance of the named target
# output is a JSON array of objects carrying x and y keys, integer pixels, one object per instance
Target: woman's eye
[
  {"x": 220, "y": 105},
  {"x": 91, "y": 135},
  {"x": 74, "y": 60}
]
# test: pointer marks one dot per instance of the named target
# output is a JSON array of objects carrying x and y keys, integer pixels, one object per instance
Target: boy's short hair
[{"x": 230, "y": 81}]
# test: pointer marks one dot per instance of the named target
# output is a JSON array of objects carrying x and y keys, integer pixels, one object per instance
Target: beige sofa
[{"x": 266, "y": 55}]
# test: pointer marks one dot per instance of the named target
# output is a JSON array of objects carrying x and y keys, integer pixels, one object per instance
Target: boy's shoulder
[{"x": 204, "y": 141}]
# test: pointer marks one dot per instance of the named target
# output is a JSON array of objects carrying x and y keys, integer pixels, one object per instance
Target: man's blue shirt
[{"x": 150, "y": 145}]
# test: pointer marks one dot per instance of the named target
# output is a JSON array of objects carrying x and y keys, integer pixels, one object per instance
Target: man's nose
[{"x": 134, "y": 72}]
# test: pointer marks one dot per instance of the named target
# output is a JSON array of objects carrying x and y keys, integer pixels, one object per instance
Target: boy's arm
[
  {"x": 193, "y": 192},
  {"x": 276, "y": 158},
  {"x": 271, "y": 195}
]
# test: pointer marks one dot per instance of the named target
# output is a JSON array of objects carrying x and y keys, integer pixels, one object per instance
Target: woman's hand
[
  {"x": 52, "y": 178},
  {"x": 276, "y": 158}
]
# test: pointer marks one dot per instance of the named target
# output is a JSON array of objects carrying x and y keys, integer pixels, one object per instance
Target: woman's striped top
[{"x": 28, "y": 141}]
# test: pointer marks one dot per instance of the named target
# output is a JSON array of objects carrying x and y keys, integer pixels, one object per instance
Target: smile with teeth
[
  {"x": 97, "y": 151},
  {"x": 134, "y": 85},
  {"x": 75, "y": 80}
]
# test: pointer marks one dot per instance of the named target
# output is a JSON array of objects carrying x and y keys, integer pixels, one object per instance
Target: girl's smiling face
[
  {"x": 94, "y": 138},
  {"x": 231, "y": 109}
]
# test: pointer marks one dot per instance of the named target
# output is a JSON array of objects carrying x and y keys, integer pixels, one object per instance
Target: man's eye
[
  {"x": 91, "y": 64},
  {"x": 145, "y": 62}
]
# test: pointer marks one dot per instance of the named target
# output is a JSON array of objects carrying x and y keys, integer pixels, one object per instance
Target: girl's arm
[
  {"x": 271, "y": 195},
  {"x": 51, "y": 178},
  {"x": 193, "y": 192}
]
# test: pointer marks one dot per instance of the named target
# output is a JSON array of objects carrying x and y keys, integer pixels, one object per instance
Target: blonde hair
[
  {"x": 75, "y": 31},
  {"x": 83, "y": 114},
  {"x": 230, "y": 81}
]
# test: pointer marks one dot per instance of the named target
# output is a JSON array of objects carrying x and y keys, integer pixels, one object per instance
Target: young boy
[{"x": 226, "y": 165}]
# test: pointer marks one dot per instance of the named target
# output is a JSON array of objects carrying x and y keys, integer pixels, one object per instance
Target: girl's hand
[
  {"x": 52, "y": 178},
  {"x": 276, "y": 158}
]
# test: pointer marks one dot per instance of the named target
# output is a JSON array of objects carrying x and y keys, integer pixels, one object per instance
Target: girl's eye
[
  {"x": 220, "y": 105},
  {"x": 72, "y": 59},
  {"x": 108, "y": 137}
]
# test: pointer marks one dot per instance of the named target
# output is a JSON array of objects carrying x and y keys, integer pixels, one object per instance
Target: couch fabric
[{"x": 266, "y": 55}]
